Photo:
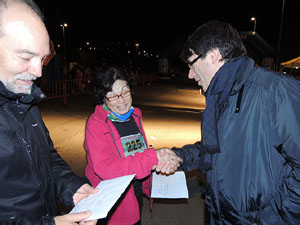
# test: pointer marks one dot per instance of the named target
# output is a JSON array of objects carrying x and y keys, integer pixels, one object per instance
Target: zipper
[
  {"x": 34, "y": 169},
  {"x": 36, "y": 174},
  {"x": 113, "y": 137},
  {"x": 239, "y": 100}
]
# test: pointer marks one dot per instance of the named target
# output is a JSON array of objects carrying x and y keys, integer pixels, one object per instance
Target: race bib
[{"x": 133, "y": 143}]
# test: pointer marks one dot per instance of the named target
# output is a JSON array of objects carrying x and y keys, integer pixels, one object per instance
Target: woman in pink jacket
[{"x": 116, "y": 145}]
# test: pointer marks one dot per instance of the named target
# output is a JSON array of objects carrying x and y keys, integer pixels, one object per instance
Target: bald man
[{"x": 33, "y": 177}]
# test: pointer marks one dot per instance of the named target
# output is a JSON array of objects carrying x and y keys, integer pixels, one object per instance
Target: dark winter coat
[
  {"x": 33, "y": 177},
  {"x": 256, "y": 176}
]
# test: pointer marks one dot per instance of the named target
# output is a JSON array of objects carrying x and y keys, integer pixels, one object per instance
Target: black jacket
[
  {"x": 33, "y": 177},
  {"x": 256, "y": 176}
]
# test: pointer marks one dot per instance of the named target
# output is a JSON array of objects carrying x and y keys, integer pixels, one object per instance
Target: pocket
[
  {"x": 7, "y": 219},
  {"x": 268, "y": 216}
]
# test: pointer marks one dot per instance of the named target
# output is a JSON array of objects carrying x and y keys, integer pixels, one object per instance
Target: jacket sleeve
[
  {"x": 66, "y": 183},
  {"x": 105, "y": 160},
  {"x": 45, "y": 220},
  {"x": 286, "y": 117},
  {"x": 191, "y": 155}
]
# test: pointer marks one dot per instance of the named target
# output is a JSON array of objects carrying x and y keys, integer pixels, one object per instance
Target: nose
[
  {"x": 121, "y": 99},
  {"x": 191, "y": 74},
  {"x": 35, "y": 68}
]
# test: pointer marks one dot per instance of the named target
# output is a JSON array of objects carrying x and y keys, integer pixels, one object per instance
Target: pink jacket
[{"x": 106, "y": 160}]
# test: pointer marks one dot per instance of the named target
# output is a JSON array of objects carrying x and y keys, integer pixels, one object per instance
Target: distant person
[
  {"x": 33, "y": 177},
  {"x": 116, "y": 145},
  {"x": 250, "y": 146},
  {"x": 79, "y": 82}
]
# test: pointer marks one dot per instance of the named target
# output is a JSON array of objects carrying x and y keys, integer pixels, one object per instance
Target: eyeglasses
[
  {"x": 116, "y": 97},
  {"x": 195, "y": 60}
]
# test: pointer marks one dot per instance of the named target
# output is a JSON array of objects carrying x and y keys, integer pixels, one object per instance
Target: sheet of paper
[
  {"x": 101, "y": 202},
  {"x": 172, "y": 186}
]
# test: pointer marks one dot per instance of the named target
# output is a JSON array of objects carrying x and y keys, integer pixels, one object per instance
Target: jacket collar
[
  {"x": 243, "y": 74},
  {"x": 5, "y": 95}
]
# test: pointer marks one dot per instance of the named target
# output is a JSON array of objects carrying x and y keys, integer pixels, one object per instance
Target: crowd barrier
[
  {"x": 143, "y": 79},
  {"x": 64, "y": 88}
]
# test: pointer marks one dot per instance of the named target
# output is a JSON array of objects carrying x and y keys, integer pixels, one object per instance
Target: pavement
[{"x": 171, "y": 117}]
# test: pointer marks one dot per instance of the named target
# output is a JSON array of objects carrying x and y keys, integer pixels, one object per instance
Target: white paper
[
  {"x": 171, "y": 186},
  {"x": 101, "y": 202}
]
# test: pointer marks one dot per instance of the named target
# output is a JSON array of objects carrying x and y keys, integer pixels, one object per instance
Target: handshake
[{"x": 168, "y": 161}]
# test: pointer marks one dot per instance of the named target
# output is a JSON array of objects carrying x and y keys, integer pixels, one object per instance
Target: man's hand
[
  {"x": 77, "y": 218},
  {"x": 74, "y": 218},
  {"x": 83, "y": 192},
  {"x": 168, "y": 161}
]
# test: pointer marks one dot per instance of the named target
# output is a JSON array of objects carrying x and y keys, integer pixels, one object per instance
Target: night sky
[{"x": 155, "y": 23}]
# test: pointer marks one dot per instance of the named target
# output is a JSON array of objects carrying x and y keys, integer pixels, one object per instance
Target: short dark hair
[
  {"x": 211, "y": 35},
  {"x": 105, "y": 80}
]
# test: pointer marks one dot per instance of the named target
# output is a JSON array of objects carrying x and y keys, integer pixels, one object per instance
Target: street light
[
  {"x": 137, "y": 47},
  {"x": 63, "y": 27},
  {"x": 254, "y": 29}
]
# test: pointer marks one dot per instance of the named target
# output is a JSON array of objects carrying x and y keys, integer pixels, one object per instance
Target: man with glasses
[{"x": 250, "y": 146}]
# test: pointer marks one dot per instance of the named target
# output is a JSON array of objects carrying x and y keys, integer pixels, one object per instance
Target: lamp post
[
  {"x": 254, "y": 29},
  {"x": 277, "y": 66},
  {"x": 64, "y": 25}
]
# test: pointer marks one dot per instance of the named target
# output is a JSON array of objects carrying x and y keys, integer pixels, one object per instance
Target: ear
[
  {"x": 215, "y": 55},
  {"x": 192, "y": 51}
]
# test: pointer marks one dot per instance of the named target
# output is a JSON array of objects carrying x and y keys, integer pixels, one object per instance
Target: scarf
[
  {"x": 216, "y": 96},
  {"x": 114, "y": 117}
]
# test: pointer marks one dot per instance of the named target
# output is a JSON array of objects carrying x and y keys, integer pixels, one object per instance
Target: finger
[
  {"x": 174, "y": 162},
  {"x": 90, "y": 222},
  {"x": 94, "y": 190},
  {"x": 89, "y": 189},
  {"x": 175, "y": 157},
  {"x": 169, "y": 151},
  {"x": 173, "y": 168},
  {"x": 160, "y": 165},
  {"x": 77, "y": 217},
  {"x": 163, "y": 165},
  {"x": 166, "y": 168}
]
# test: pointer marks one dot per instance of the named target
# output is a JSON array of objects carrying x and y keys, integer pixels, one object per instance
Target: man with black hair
[{"x": 250, "y": 146}]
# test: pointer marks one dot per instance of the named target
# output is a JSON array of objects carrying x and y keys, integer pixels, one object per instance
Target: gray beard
[
  {"x": 16, "y": 89},
  {"x": 20, "y": 89}
]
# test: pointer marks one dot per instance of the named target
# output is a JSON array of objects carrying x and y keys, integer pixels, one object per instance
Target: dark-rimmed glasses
[
  {"x": 116, "y": 97},
  {"x": 194, "y": 60}
]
